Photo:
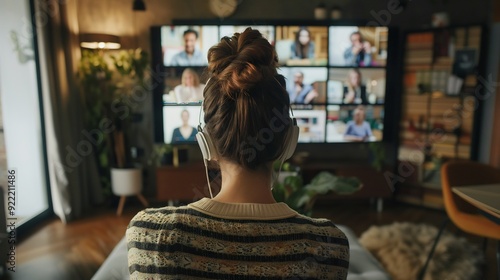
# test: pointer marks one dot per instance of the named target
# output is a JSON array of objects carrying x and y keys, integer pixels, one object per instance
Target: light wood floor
[{"x": 76, "y": 250}]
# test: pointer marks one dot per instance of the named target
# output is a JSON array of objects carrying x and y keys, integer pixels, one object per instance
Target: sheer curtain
[{"x": 74, "y": 179}]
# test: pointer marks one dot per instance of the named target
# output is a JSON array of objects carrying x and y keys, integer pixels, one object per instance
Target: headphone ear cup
[
  {"x": 206, "y": 146},
  {"x": 291, "y": 142}
]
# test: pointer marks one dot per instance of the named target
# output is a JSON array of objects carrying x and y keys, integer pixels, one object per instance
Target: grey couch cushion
[
  {"x": 362, "y": 265},
  {"x": 115, "y": 267}
]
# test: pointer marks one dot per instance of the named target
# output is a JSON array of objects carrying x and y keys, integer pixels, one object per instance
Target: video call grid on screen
[{"x": 321, "y": 77}]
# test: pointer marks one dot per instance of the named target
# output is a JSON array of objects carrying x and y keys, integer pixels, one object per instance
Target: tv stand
[{"x": 186, "y": 182}]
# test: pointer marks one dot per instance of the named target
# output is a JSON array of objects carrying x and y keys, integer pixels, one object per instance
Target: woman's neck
[{"x": 241, "y": 185}]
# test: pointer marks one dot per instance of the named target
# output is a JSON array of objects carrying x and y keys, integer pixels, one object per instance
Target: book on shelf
[
  {"x": 460, "y": 37},
  {"x": 420, "y": 37},
  {"x": 439, "y": 80},
  {"x": 412, "y": 91},
  {"x": 443, "y": 63},
  {"x": 474, "y": 37},
  {"x": 418, "y": 54},
  {"x": 470, "y": 80},
  {"x": 449, "y": 150},
  {"x": 416, "y": 98},
  {"x": 419, "y": 46},
  {"x": 442, "y": 41},
  {"x": 410, "y": 79},
  {"x": 416, "y": 109},
  {"x": 417, "y": 67},
  {"x": 445, "y": 60},
  {"x": 440, "y": 67},
  {"x": 418, "y": 60}
]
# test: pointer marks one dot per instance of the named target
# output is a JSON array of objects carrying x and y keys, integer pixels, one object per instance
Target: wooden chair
[{"x": 461, "y": 213}]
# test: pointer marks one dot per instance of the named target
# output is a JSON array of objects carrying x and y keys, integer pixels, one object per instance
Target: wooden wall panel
[
  {"x": 496, "y": 10},
  {"x": 495, "y": 138}
]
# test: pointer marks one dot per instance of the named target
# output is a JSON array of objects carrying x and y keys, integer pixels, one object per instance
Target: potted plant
[
  {"x": 109, "y": 84},
  {"x": 302, "y": 198}
]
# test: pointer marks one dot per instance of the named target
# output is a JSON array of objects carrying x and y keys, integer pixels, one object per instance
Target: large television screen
[{"x": 335, "y": 77}]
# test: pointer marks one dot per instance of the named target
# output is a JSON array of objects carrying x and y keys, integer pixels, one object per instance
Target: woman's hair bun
[
  {"x": 240, "y": 62},
  {"x": 241, "y": 98}
]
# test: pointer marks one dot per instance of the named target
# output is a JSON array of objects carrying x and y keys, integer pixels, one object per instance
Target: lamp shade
[
  {"x": 99, "y": 41},
  {"x": 139, "y": 5}
]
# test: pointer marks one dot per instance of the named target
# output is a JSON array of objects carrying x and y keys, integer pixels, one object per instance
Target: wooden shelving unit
[{"x": 439, "y": 107}]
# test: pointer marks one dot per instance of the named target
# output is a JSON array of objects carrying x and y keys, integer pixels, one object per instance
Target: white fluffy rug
[{"x": 402, "y": 249}]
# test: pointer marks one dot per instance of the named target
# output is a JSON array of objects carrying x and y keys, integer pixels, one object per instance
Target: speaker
[
  {"x": 206, "y": 145},
  {"x": 291, "y": 141}
]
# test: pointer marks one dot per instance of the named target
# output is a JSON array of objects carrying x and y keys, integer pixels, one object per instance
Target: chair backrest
[{"x": 463, "y": 173}]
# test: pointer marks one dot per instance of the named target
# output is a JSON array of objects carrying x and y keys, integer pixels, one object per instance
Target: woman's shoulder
[
  {"x": 321, "y": 226},
  {"x": 158, "y": 215}
]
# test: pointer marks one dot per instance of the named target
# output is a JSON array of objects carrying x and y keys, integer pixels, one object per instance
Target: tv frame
[{"x": 392, "y": 72}]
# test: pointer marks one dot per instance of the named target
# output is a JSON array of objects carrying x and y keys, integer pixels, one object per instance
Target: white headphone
[
  {"x": 209, "y": 151},
  {"x": 206, "y": 145}
]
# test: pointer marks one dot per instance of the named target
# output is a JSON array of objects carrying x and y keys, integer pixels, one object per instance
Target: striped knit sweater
[{"x": 214, "y": 240}]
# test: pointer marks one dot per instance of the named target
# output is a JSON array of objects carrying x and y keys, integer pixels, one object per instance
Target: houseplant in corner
[{"x": 110, "y": 85}]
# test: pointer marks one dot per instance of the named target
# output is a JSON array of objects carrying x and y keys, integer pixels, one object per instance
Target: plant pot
[{"x": 126, "y": 181}]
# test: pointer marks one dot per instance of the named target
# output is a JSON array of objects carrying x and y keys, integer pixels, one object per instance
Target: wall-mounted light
[
  {"x": 99, "y": 41},
  {"x": 139, "y": 5}
]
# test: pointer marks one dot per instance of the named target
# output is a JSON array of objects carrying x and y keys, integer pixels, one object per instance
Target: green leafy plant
[
  {"x": 377, "y": 155},
  {"x": 302, "y": 198},
  {"x": 107, "y": 83},
  {"x": 161, "y": 154}
]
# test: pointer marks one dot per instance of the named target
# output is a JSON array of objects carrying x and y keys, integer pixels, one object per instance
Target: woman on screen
[
  {"x": 358, "y": 129},
  {"x": 303, "y": 47},
  {"x": 190, "y": 89},
  {"x": 241, "y": 232},
  {"x": 184, "y": 133},
  {"x": 354, "y": 91}
]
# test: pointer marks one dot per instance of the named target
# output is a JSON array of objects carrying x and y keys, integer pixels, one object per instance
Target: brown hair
[
  {"x": 350, "y": 86},
  {"x": 302, "y": 51},
  {"x": 196, "y": 78},
  {"x": 245, "y": 101}
]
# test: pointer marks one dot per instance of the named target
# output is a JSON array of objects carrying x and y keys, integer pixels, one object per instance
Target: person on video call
[
  {"x": 299, "y": 92},
  {"x": 359, "y": 53},
  {"x": 190, "y": 56},
  {"x": 242, "y": 232},
  {"x": 354, "y": 91},
  {"x": 190, "y": 89},
  {"x": 358, "y": 129},
  {"x": 184, "y": 133},
  {"x": 303, "y": 46}
]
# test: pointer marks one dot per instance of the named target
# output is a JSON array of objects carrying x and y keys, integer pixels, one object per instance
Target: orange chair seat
[
  {"x": 463, "y": 214},
  {"x": 475, "y": 224}
]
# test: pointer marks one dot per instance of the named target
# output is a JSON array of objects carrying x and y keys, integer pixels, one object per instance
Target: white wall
[{"x": 20, "y": 109}]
